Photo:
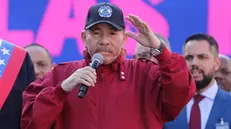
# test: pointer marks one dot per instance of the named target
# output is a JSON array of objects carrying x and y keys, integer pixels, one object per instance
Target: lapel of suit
[
  {"x": 179, "y": 123},
  {"x": 184, "y": 119},
  {"x": 218, "y": 109},
  {"x": 181, "y": 120}
]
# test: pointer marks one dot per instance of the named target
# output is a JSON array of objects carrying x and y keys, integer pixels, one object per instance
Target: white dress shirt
[{"x": 205, "y": 104}]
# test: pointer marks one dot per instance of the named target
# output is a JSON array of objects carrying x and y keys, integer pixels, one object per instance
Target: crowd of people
[{"x": 157, "y": 89}]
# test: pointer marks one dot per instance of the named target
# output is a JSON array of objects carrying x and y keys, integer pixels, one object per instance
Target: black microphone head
[{"x": 98, "y": 57}]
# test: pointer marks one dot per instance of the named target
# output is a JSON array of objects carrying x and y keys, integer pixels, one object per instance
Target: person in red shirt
[{"x": 123, "y": 93}]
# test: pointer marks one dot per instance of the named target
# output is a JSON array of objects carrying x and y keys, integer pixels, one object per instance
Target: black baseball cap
[{"x": 105, "y": 12}]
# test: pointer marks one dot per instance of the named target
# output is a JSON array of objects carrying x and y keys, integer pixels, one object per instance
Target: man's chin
[
  {"x": 107, "y": 60},
  {"x": 200, "y": 85},
  {"x": 219, "y": 82}
]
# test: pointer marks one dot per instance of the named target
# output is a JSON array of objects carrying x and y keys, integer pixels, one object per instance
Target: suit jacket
[
  {"x": 221, "y": 109},
  {"x": 11, "y": 111}
]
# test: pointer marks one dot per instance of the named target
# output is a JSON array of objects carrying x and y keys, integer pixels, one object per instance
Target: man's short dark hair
[
  {"x": 212, "y": 42},
  {"x": 38, "y": 45}
]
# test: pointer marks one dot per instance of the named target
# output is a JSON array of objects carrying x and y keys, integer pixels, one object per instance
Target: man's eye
[
  {"x": 225, "y": 72},
  {"x": 202, "y": 57},
  {"x": 188, "y": 57},
  {"x": 95, "y": 32},
  {"x": 112, "y": 33},
  {"x": 41, "y": 64}
]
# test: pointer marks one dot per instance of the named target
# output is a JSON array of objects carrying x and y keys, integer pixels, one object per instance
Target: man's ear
[
  {"x": 218, "y": 63},
  {"x": 83, "y": 36}
]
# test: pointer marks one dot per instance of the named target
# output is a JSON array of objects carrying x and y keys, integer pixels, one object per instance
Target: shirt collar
[{"x": 211, "y": 92}]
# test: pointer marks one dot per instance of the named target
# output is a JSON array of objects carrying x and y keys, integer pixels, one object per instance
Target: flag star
[
  {"x": 2, "y": 62},
  {"x": 5, "y": 51}
]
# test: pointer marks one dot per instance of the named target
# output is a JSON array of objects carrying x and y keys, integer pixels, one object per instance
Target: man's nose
[
  {"x": 195, "y": 62},
  {"x": 36, "y": 70},
  {"x": 104, "y": 40}
]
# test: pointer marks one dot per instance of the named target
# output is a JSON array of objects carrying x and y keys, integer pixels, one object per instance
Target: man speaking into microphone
[{"x": 122, "y": 93}]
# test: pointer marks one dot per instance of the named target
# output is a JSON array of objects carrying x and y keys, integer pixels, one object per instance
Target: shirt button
[{"x": 122, "y": 73}]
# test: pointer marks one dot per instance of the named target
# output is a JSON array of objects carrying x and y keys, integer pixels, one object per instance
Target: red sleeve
[
  {"x": 175, "y": 86},
  {"x": 43, "y": 101}
]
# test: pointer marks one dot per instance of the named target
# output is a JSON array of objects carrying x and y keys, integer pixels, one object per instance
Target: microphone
[{"x": 97, "y": 60}]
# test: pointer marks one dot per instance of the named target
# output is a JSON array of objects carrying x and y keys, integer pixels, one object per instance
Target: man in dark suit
[
  {"x": 12, "y": 56},
  {"x": 210, "y": 107},
  {"x": 223, "y": 75}
]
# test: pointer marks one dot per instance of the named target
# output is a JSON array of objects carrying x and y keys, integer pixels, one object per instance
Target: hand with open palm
[{"x": 145, "y": 36}]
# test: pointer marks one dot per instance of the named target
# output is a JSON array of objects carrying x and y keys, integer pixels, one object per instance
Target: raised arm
[
  {"x": 172, "y": 86},
  {"x": 175, "y": 86}
]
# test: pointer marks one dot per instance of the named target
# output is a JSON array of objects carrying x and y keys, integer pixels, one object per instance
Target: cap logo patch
[{"x": 105, "y": 11}]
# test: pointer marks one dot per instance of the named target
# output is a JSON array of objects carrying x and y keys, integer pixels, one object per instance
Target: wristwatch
[{"x": 159, "y": 50}]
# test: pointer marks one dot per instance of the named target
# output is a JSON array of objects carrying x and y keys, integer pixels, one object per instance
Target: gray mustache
[{"x": 103, "y": 49}]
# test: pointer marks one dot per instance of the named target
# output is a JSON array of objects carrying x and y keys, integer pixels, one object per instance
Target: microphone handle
[
  {"x": 83, "y": 88},
  {"x": 82, "y": 91}
]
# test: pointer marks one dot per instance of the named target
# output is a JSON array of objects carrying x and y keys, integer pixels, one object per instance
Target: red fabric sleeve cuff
[{"x": 164, "y": 57}]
